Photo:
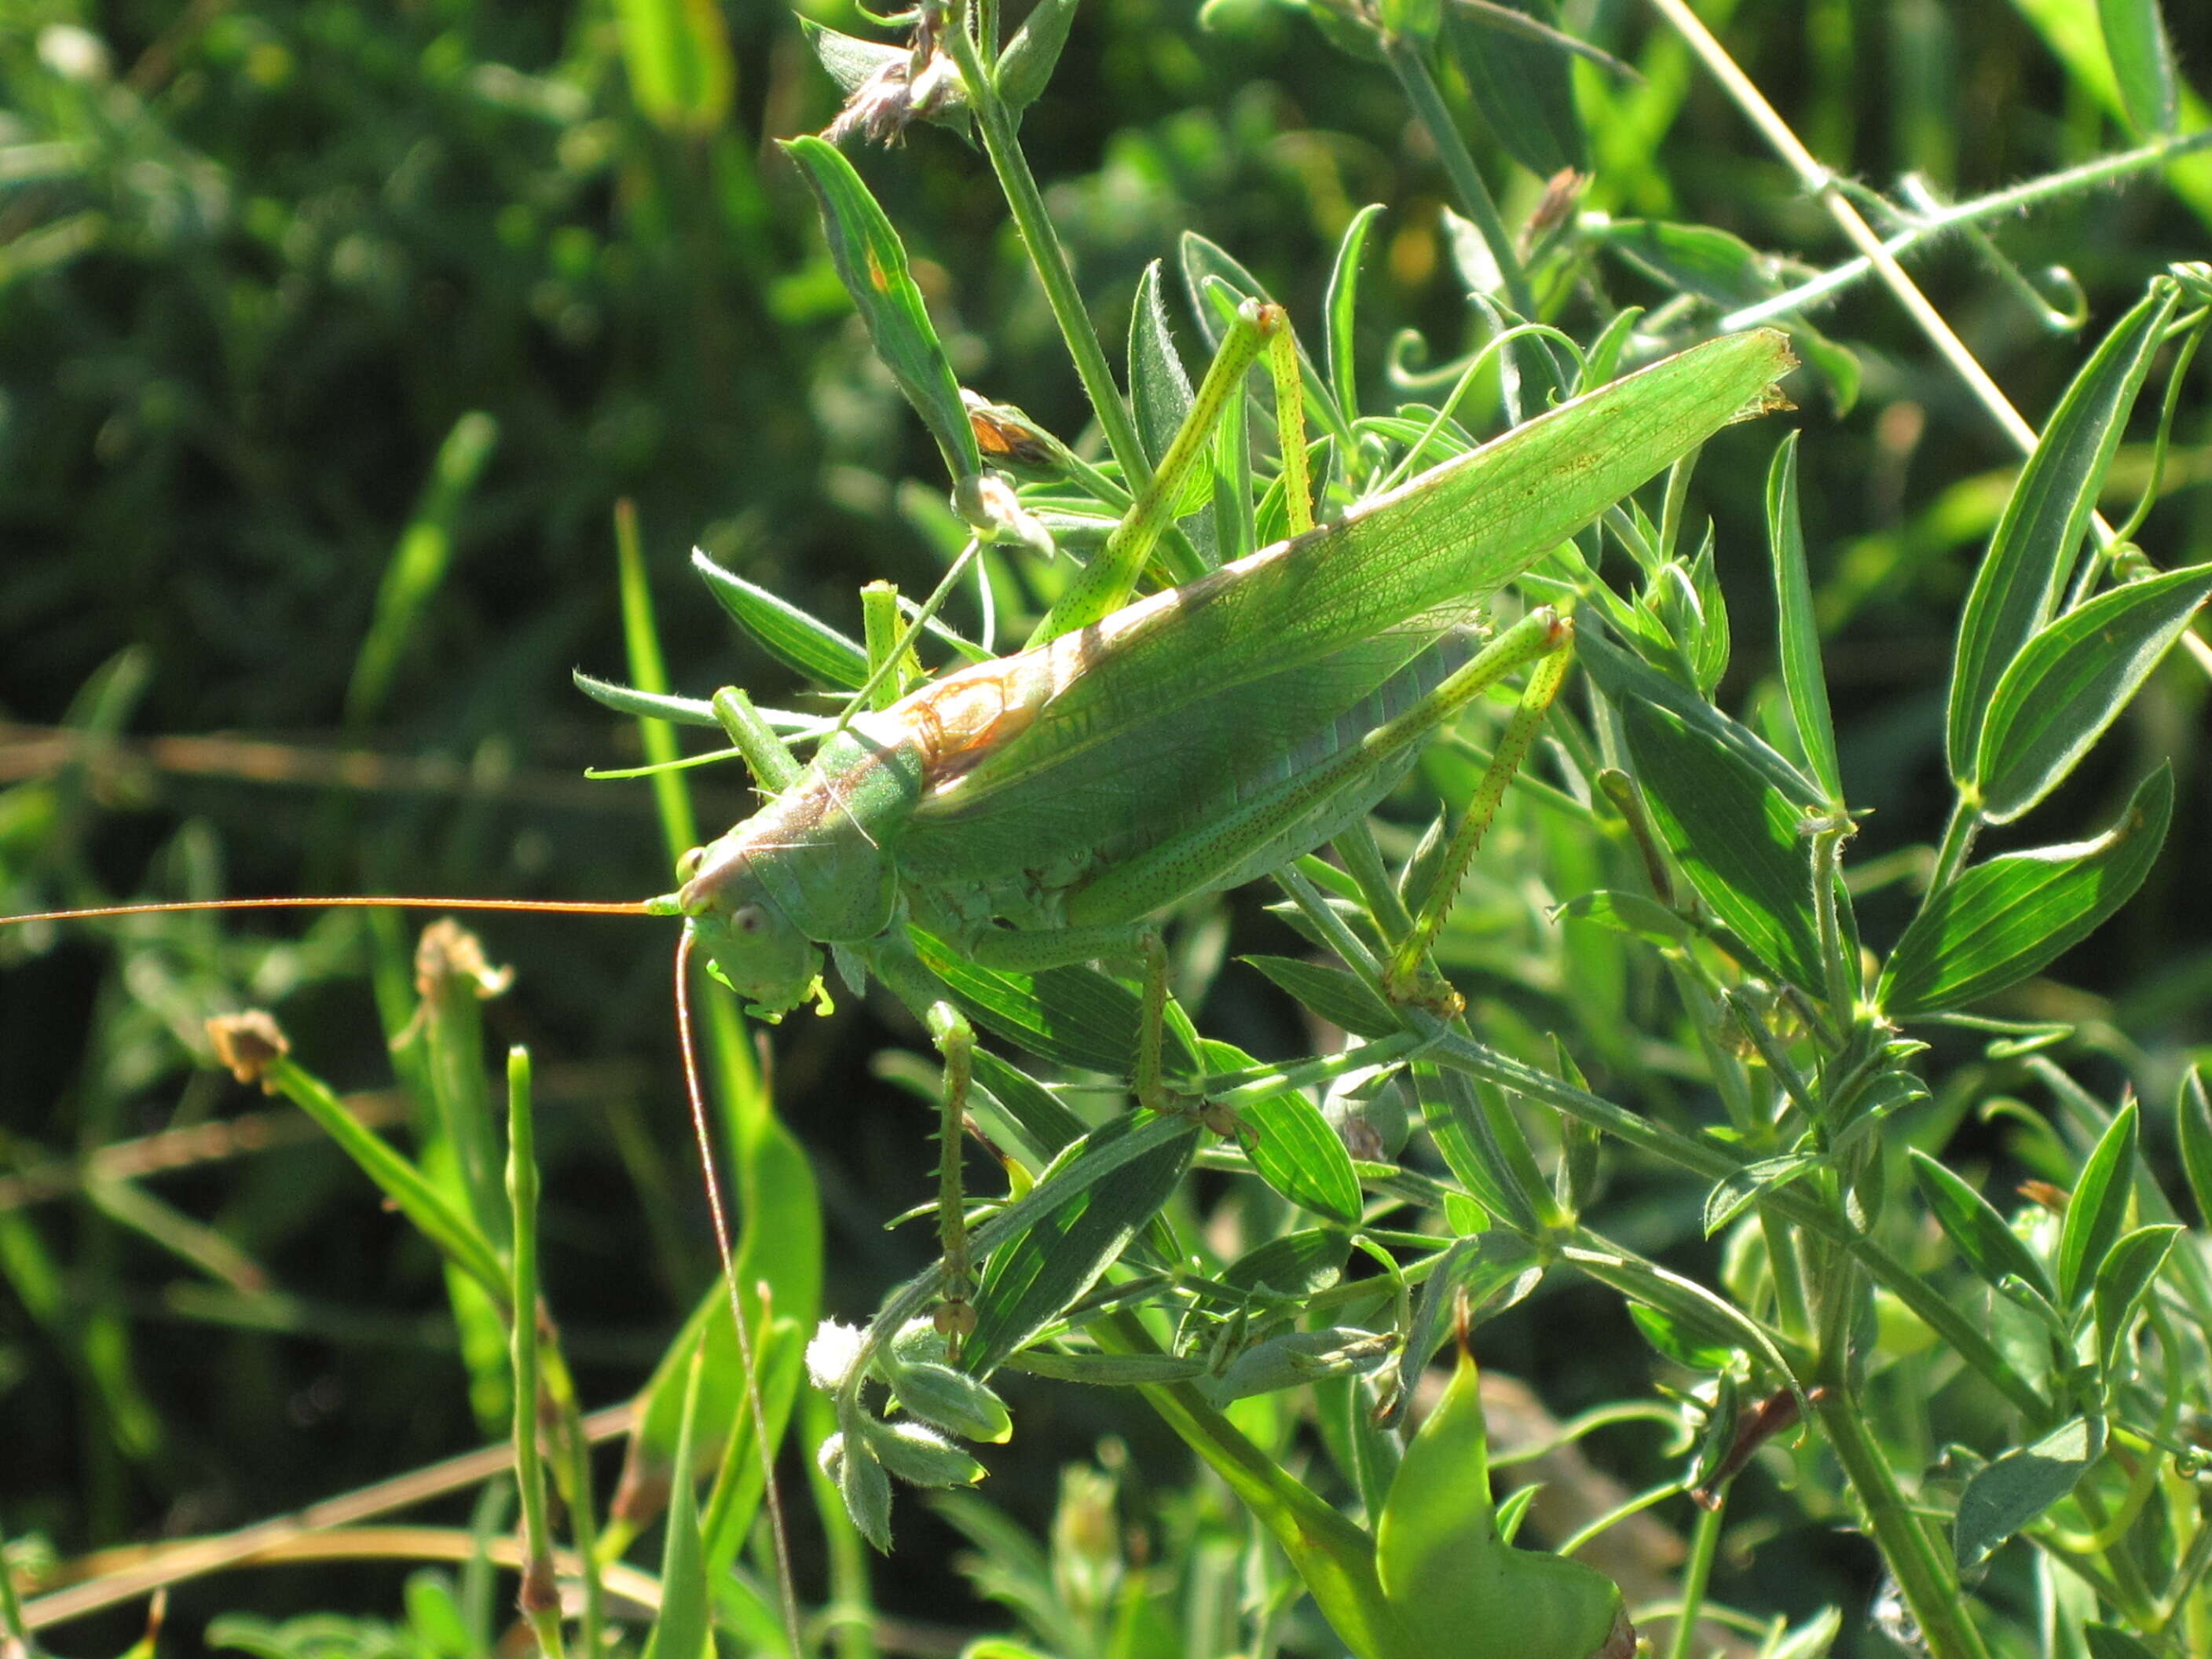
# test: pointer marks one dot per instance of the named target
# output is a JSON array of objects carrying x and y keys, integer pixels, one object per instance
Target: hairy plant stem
[
  {"x": 1997, "y": 204},
  {"x": 1923, "y": 1569},
  {"x": 1047, "y": 257}
]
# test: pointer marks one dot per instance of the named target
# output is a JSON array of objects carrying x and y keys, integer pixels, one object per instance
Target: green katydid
[{"x": 1038, "y": 807}]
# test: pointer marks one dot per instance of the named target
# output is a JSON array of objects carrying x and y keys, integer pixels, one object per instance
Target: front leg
[
  {"x": 956, "y": 1045},
  {"x": 1025, "y": 949}
]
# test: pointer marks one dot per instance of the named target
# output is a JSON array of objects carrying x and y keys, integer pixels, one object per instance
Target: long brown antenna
[
  {"x": 770, "y": 1494},
  {"x": 554, "y": 907}
]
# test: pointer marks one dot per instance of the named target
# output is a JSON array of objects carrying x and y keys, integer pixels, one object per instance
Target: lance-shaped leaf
[
  {"x": 2142, "y": 63},
  {"x": 1340, "y": 998},
  {"x": 1076, "y": 1016},
  {"x": 1297, "y": 1154},
  {"x": 1342, "y": 305},
  {"x": 2014, "y": 1490},
  {"x": 1971, "y": 1222},
  {"x": 871, "y": 261},
  {"x": 2045, "y": 520},
  {"x": 2072, "y": 680},
  {"x": 1712, "y": 264},
  {"x": 1737, "y": 837},
  {"x": 2193, "y": 1115},
  {"x": 1521, "y": 86},
  {"x": 784, "y": 631},
  {"x": 2122, "y": 1281},
  {"x": 1799, "y": 634},
  {"x": 1033, "y": 1277},
  {"x": 2007, "y": 918},
  {"x": 2098, "y": 1206}
]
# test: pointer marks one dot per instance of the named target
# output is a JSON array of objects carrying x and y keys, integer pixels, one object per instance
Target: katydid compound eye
[
  {"x": 688, "y": 865},
  {"x": 748, "y": 919}
]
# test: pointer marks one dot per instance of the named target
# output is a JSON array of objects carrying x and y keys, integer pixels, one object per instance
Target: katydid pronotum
[{"x": 1036, "y": 810}]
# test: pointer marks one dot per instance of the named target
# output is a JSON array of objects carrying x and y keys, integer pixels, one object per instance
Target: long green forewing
[{"x": 1182, "y": 691}]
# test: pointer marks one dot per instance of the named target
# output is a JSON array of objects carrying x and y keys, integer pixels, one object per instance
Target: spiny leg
[
  {"x": 1110, "y": 579},
  {"x": 1513, "y": 745},
  {"x": 956, "y": 1045},
  {"x": 1032, "y": 950}
]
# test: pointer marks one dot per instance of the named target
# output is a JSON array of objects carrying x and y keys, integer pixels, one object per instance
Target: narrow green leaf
[
  {"x": 784, "y": 631},
  {"x": 1160, "y": 385},
  {"x": 1735, "y": 838},
  {"x": 1075, "y": 1016},
  {"x": 1626, "y": 679},
  {"x": 683, "y": 1629},
  {"x": 2011, "y": 917},
  {"x": 1135, "y": 1371},
  {"x": 2070, "y": 682},
  {"x": 420, "y": 561},
  {"x": 1291, "y": 1266},
  {"x": 1521, "y": 87},
  {"x": 1699, "y": 1347},
  {"x": 2017, "y": 1488},
  {"x": 1296, "y": 1152},
  {"x": 2098, "y": 1207},
  {"x": 1202, "y": 259},
  {"x": 2111, "y": 1642},
  {"x": 1971, "y": 1224},
  {"x": 871, "y": 261},
  {"x": 682, "y": 71},
  {"x": 1049, "y": 1124},
  {"x": 1798, "y": 632},
  {"x": 1342, "y": 307},
  {"x": 2143, "y": 64},
  {"x": 2193, "y": 1123},
  {"x": 2045, "y": 520},
  {"x": 1026, "y": 65},
  {"x": 2122, "y": 1281},
  {"x": 1720, "y": 269},
  {"x": 1340, "y": 998},
  {"x": 1030, "y": 1279},
  {"x": 1709, "y": 657},
  {"x": 1626, "y": 913},
  {"x": 1297, "y": 1358},
  {"x": 645, "y": 705}
]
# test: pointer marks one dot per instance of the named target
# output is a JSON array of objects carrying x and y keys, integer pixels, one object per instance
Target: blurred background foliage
[{"x": 332, "y": 333}]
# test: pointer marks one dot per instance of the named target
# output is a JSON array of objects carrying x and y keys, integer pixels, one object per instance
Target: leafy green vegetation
[{"x": 1794, "y": 1105}]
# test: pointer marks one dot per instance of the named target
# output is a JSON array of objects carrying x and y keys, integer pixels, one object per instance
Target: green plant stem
[
  {"x": 1047, "y": 257},
  {"x": 1828, "y": 877},
  {"x": 1335, "y": 1558},
  {"x": 1404, "y": 56},
  {"x": 1997, "y": 204},
  {"x": 1958, "y": 845},
  {"x": 540, "y": 1594},
  {"x": 1922, "y": 1568},
  {"x": 1704, "y": 1544},
  {"x": 850, "y": 1611},
  {"x": 1716, "y": 1163}
]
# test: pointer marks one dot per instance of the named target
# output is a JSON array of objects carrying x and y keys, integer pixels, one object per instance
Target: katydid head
[{"x": 750, "y": 943}]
